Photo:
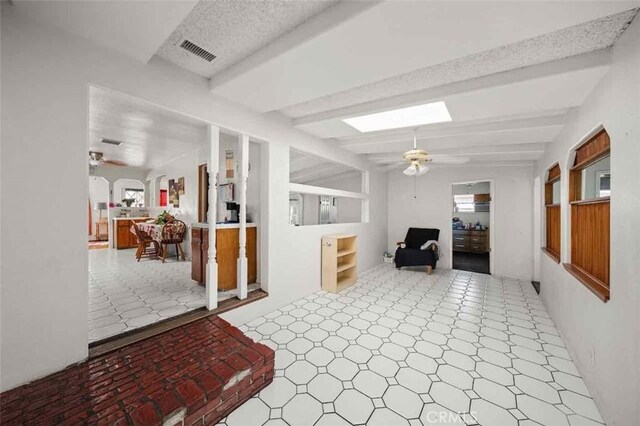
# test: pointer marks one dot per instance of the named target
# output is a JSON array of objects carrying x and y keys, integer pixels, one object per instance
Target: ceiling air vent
[
  {"x": 111, "y": 141},
  {"x": 197, "y": 50}
]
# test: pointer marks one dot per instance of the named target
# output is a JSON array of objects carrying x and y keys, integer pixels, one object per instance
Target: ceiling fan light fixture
[
  {"x": 422, "y": 169},
  {"x": 410, "y": 171}
]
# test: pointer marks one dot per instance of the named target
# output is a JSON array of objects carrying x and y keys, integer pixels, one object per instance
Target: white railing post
[
  {"x": 212, "y": 168},
  {"x": 243, "y": 265}
]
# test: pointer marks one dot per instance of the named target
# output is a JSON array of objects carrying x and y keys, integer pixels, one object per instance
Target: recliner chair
[{"x": 412, "y": 255}]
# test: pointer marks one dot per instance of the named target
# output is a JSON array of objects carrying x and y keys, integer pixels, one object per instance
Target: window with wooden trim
[
  {"x": 589, "y": 192},
  {"x": 552, "y": 212}
]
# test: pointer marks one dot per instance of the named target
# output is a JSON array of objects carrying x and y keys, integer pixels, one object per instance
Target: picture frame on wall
[
  {"x": 174, "y": 196},
  {"x": 181, "y": 186}
]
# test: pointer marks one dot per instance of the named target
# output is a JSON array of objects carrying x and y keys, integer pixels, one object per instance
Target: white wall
[
  {"x": 608, "y": 333},
  {"x": 512, "y": 207},
  {"x": 49, "y": 86}
]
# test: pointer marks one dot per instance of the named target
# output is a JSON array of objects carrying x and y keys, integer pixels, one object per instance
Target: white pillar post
[
  {"x": 212, "y": 265},
  {"x": 243, "y": 265}
]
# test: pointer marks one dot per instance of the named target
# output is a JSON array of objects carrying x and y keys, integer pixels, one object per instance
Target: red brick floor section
[{"x": 192, "y": 375}]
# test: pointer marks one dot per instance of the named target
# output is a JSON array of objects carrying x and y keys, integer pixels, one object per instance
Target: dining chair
[
  {"x": 173, "y": 233},
  {"x": 145, "y": 242}
]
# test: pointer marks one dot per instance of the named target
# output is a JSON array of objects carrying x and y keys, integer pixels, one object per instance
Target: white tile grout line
[{"x": 403, "y": 347}]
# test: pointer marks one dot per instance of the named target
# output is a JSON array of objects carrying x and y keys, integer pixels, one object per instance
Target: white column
[
  {"x": 212, "y": 265},
  {"x": 243, "y": 265}
]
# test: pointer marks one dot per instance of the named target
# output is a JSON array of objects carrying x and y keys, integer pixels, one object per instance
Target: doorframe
[{"x": 492, "y": 234}]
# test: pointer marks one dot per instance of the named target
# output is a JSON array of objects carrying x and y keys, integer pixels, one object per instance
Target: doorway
[{"x": 472, "y": 226}]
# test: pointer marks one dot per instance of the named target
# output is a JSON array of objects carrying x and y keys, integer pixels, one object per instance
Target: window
[
  {"x": 136, "y": 194},
  {"x": 464, "y": 203},
  {"x": 552, "y": 212},
  {"x": 589, "y": 191}
]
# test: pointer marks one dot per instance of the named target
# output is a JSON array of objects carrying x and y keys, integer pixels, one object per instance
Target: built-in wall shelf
[{"x": 339, "y": 262}]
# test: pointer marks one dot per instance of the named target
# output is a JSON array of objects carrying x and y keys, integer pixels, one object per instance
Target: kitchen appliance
[{"x": 233, "y": 209}]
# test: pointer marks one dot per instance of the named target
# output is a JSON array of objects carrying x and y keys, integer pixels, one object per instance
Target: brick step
[{"x": 194, "y": 374}]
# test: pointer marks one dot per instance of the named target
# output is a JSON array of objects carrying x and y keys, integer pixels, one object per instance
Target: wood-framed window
[
  {"x": 552, "y": 210},
  {"x": 589, "y": 192}
]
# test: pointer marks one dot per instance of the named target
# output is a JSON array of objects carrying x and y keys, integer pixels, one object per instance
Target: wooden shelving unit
[{"x": 339, "y": 262}]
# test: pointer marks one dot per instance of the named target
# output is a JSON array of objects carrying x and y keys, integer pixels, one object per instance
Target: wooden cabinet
[
  {"x": 481, "y": 198},
  {"x": 124, "y": 237},
  {"x": 197, "y": 264},
  {"x": 339, "y": 262},
  {"x": 227, "y": 251},
  {"x": 470, "y": 240}
]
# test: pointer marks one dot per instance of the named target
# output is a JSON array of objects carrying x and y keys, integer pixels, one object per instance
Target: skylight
[{"x": 435, "y": 112}]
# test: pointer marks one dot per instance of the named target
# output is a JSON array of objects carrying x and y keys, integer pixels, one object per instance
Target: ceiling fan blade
[
  {"x": 114, "y": 162},
  {"x": 449, "y": 159}
]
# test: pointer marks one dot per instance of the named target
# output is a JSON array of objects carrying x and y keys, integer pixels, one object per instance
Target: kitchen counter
[
  {"x": 200, "y": 225},
  {"x": 130, "y": 218}
]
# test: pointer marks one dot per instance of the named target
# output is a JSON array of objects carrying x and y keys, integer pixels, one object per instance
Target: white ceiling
[
  {"x": 308, "y": 169},
  {"x": 135, "y": 28},
  {"x": 151, "y": 136},
  {"x": 510, "y": 72},
  {"x": 233, "y": 30},
  {"x": 394, "y": 38}
]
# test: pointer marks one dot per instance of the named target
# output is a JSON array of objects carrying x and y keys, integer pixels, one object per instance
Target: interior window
[
  {"x": 596, "y": 180},
  {"x": 552, "y": 213},
  {"x": 589, "y": 191},
  {"x": 324, "y": 192},
  {"x": 317, "y": 209}
]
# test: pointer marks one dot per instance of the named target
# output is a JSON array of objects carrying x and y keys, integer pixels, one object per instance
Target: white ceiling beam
[
  {"x": 331, "y": 177},
  {"x": 511, "y": 137},
  {"x": 321, "y": 169},
  {"x": 319, "y": 24},
  {"x": 543, "y": 119},
  {"x": 589, "y": 60},
  {"x": 537, "y": 148},
  {"x": 398, "y": 166},
  {"x": 475, "y": 157}
]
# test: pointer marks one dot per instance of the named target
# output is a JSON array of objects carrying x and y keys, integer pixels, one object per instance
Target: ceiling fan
[
  {"x": 96, "y": 159},
  {"x": 417, "y": 159}
]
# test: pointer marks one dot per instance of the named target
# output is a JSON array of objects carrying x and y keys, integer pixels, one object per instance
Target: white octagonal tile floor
[{"x": 404, "y": 348}]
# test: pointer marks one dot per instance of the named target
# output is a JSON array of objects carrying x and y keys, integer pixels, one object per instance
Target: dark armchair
[{"x": 411, "y": 255}]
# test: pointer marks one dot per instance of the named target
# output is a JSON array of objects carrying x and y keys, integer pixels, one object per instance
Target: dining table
[{"x": 151, "y": 229}]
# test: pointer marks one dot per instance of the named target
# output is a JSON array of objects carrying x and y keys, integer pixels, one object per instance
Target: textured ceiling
[
  {"x": 307, "y": 169},
  {"x": 233, "y": 30},
  {"x": 590, "y": 36},
  {"x": 152, "y": 135}
]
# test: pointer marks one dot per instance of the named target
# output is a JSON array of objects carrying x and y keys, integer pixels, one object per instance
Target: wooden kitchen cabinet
[
  {"x": 481, "y": 198},
  {"x": 124, "y": 237},
  {"x": 471, "y": 240},
  {"x": 227, "y": 250},
  {"x": 197, "y": 265}
]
